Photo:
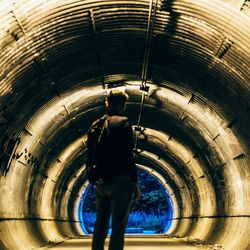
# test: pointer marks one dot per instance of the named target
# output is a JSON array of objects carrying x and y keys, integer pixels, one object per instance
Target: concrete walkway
[{"x": 133, "y": 243}]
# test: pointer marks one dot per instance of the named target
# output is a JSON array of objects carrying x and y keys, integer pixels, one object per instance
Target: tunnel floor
[{"x": 133, "y": 243}]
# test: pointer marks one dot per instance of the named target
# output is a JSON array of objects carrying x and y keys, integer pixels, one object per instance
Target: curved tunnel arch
[{"x": 55, "y": 57}]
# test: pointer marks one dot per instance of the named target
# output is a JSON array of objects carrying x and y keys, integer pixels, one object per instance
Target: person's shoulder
[
  {"x": 125, "y": 121},
  {"x": 118, "y": 121}
]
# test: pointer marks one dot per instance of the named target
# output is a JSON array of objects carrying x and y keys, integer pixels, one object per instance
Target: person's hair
[{"x": 116, "y": 98}]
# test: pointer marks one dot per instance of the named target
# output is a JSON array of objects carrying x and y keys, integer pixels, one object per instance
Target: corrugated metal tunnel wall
[{"x": 58, "y": 57}]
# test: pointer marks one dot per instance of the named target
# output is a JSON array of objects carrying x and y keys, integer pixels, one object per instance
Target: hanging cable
[
  {"x": 143, "y": 86},
  {"x": 138, "y": 128},
  {"x": 150, "y": 31}
]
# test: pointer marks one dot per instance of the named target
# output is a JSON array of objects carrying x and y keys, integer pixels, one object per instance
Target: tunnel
[{"x": 185, "y": 65}]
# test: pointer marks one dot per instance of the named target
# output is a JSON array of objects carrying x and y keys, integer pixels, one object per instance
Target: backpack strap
[
  {"x": 95, "y": 135},
  {"x": 104, "y": 126}
]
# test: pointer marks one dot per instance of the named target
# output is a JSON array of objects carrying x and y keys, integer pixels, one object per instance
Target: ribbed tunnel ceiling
[{"x": 58, "y": 58}]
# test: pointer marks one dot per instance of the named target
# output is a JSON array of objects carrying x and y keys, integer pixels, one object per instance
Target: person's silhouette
[{"x": 118, "y": 179}]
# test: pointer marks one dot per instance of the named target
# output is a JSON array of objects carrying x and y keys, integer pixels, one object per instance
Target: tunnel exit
[{"x": 152, "y": 214}]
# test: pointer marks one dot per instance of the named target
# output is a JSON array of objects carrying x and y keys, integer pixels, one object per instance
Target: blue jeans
[{"x": 112, "y": 198}]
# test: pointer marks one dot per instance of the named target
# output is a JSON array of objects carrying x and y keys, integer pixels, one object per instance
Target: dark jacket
[{"x": 116, "y": 156}]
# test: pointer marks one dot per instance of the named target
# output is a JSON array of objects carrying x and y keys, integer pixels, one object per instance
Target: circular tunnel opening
[{"x": 152, "y": 214}]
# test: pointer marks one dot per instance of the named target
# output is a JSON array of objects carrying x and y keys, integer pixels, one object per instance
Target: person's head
[{"x": 116, "y": 101}]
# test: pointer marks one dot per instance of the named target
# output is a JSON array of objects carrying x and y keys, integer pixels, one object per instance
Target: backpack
[{"x": 97, "y": 141}]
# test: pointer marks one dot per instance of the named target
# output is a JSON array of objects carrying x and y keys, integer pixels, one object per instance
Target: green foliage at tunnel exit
[{"x": 149, "y": 214}]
